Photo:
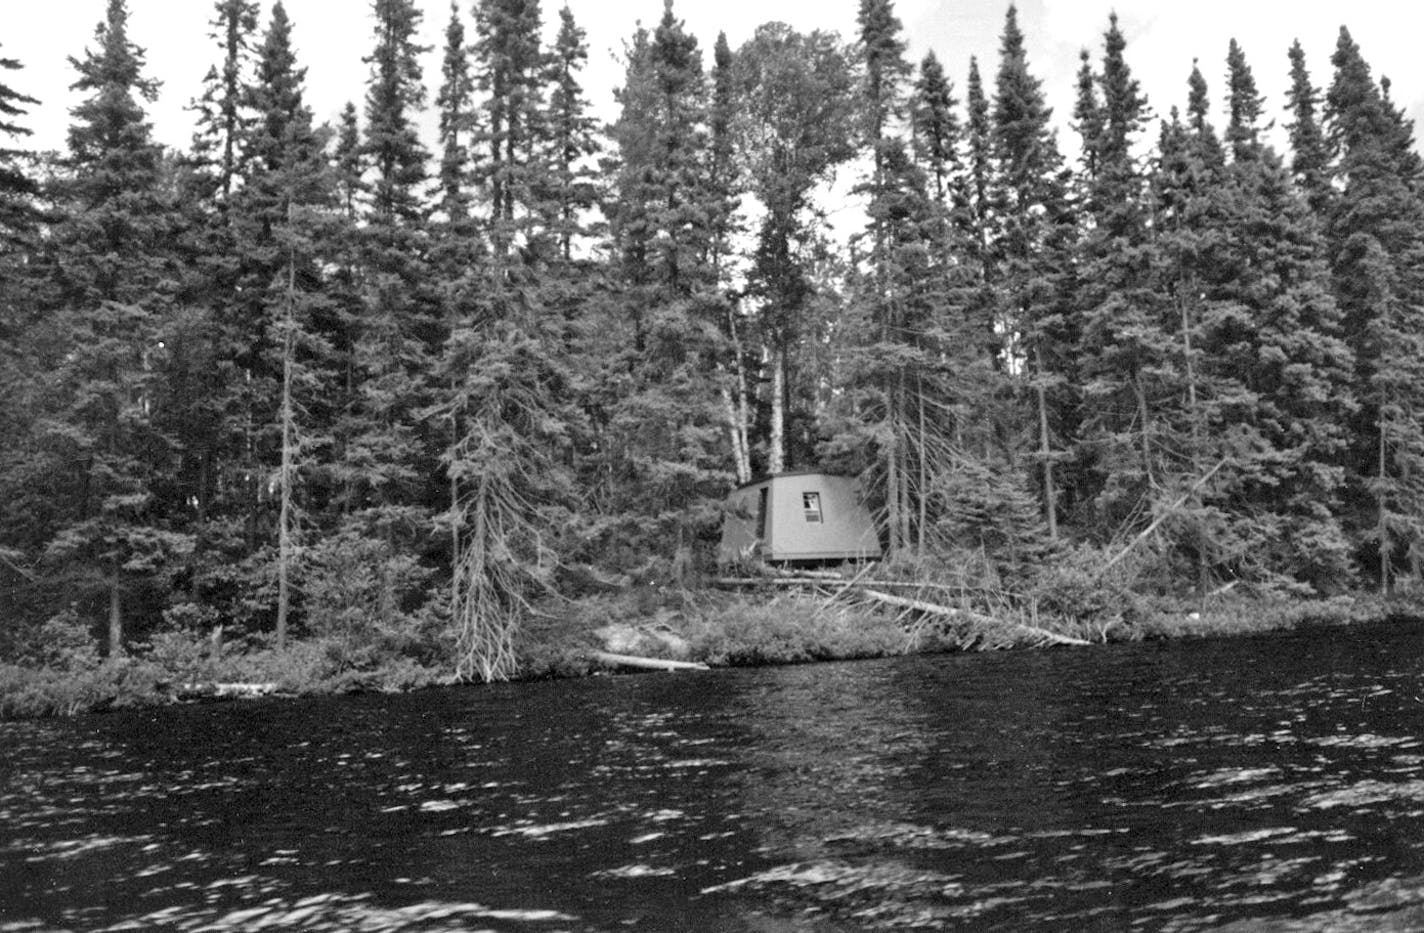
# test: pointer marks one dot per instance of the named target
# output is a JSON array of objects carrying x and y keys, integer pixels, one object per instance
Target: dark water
[{"x": 1243, "y": 784}]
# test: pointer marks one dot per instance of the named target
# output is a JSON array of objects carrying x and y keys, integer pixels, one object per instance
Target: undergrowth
[{"x": 60, "y": 673}]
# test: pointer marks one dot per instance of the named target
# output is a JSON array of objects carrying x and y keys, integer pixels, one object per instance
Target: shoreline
[{"x": 609, "y": 635}]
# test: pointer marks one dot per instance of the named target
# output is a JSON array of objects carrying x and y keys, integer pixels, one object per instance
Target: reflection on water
[{"x": 1249, "y": 784}]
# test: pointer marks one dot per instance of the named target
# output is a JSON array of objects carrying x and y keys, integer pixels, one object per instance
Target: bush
[
  {"x": 789, "y": 629},
  {"x": 64, "y": 642},
  {"x": 114, "y": 684}
]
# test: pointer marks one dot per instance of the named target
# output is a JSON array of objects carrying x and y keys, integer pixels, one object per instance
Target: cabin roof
[{"x": 788, "y": 474}]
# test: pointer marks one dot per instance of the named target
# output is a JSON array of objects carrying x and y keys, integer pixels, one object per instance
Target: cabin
[{"x": 806, "y": 517}]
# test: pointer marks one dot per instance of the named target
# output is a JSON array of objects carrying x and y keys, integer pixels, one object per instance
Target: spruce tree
[
  {"x": 662, "y": 434},
  {"x": 726, "y": 184},
  {"x": 510, "y": 71},
  {"x": 221, "y": 111},
  {"x": 895, "y": 375},
  {"x": 1122, "y": 344},
  {"x": 504, "y": 373},
  {"x": 1188, "y": 195},
  {"x": 23, "y": 501},
  {"x": 936, "y": 126},
  {"x": 18, "y": 188},
  {"x": 572, "y": 181},
  {"x": 974, "y": 215},
  {"x": 1030, "y": 199},
  {"x": 1263, "y": 372},
  {"x": 1310, "y": 151},
  {"x": 283, "y": 215},
  {"x": 1376, "y": 236},
  {"x": 398, "y": 327},
  {"x": 455, "y": 102},
  {"x": 111, "y": 279},
  {"x": 1287, "y": 352}
]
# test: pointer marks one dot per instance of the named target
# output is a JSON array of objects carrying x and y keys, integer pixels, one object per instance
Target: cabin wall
[
  {"x": 845, "y": 530},
  {"x": 739, "y": 537}
]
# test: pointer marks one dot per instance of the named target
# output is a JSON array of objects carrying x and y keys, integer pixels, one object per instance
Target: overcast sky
[{"x": 332, "y": 35}]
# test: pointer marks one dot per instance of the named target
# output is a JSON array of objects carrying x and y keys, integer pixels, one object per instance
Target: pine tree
[
  {"x": 573, "y": 140},
  {"x": 17, "y": 187},
  {"x": 398, "y": 329},
  {"x": 1310, "y": 160},
  {"x": 974, "y": 215},
  {"x": 659, "y": 402},
  {"x": 455, "y": 101},
  {"x": 505, "y": 362},
  {"x": 1188, "y": 193},
  {"x": 511, "y": 72},
  {"x": 283, "y": 214},
  {"x": 1030, "y": 253},
  {"x": 221, "y": 112},
  {"x": 1262, "y": 369},
  {"x": 23, "y": 505},
  {"x": 980, "y": 148},
  {"x": 1088, "y": 114},
  {"x": 1295, "y": 368},
  {"x": 107, "y": 388},
  {"x": 936, "y": 126},
  {"x": 897, "y": 394},
  {"x": 1122, "y": 342},
  {"x": 1376, "y": 236},
  {"x": 725, "y": 187},
  {"x": 794, "y": 127}
]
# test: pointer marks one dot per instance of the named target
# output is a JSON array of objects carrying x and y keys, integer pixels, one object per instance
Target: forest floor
[{"x": 707, "y": 626}]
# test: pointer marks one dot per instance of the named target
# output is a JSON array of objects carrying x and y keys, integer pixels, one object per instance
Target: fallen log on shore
[
  {"x": 649, "y": 664},
  {"x": 966, "y": 615},
  {"x": 223, "y": 691}
]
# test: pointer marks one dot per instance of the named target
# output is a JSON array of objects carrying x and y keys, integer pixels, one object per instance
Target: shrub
[
  {"x": 789, "y": 629},
  {"x": 64, "y": 642},
  {"x": 49, "y": 692}
]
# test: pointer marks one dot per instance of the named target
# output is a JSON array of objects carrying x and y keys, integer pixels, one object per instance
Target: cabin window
[{"x": 811, "y": 506}]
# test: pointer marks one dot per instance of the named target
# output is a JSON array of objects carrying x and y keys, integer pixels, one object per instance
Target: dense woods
[{"x": 349, "y": 382}]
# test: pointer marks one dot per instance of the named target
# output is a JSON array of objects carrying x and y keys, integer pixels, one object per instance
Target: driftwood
[
  {"x": 225, "y": 690},
  {"x": 950, "y": 612},
  {"x": 847, "y": 582},
  {"x": 649, "y": 664}
]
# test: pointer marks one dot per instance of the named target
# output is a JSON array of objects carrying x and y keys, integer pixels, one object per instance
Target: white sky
[{"x": 332, "y": 35}]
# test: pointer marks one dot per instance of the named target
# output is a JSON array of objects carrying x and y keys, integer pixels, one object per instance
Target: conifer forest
[{"x": 407, "y": 377}]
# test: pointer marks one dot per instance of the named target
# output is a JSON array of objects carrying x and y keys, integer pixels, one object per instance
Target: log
[
  {"x": 1168, "y": 513},
  {"x": 975, "y": 617},
  {"x": 650, "y": 664},
  {"x": 226, "y": 690},
  {"x": 810, "y": 574}
]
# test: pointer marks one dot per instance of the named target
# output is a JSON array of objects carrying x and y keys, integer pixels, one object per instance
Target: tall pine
[
  {"x": 1376, "y": 237},
  {"x": 116, "y": 533}
]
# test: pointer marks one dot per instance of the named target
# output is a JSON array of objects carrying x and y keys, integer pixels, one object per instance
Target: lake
[{"x": 1264, "y": 783}]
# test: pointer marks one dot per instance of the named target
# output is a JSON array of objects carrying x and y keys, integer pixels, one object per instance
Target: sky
[{"x": 1163, "y": 36}]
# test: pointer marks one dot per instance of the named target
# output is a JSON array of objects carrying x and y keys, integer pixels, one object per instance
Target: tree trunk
[
  {"x": 736, "y": 432},
  {"x": 903, "y": 445},
  {"x": 923, "y": 498},
  {"x": 1194, "y": 413},
  {"x": 892, "y": 487},
  {"x": 743, "y": 412},
  {"x": 1050, "y": 491},
  {"x": 776, "y": 454},
  {"x": 1382, "y": 505},
  {"x": 284, "y": 516},
  {"x": 1141, "y": 397},
  {"x": 116, "y": 617}
]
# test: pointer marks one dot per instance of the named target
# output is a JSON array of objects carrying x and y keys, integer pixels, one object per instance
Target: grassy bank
[{"x": 718, "y": 628}]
